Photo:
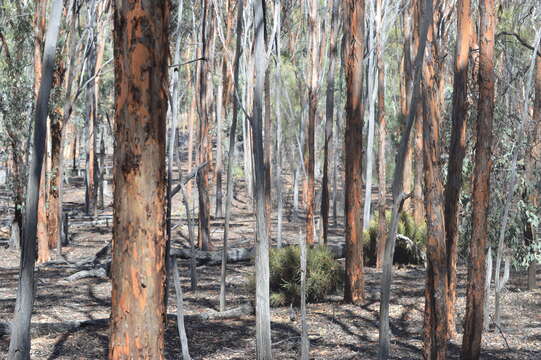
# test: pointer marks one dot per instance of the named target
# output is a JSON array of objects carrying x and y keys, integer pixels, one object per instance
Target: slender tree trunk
[
  {"x": 278, "y": 110},
  {"x": 436, "y": 290},
  {"x": 382, "y": 206},
  {"x": 40, "y": 17},
  {"x": 457, "y": 151},
  {"x": 263, "y": 331},
  {"x": 19, "y": 346},
  {"x": 204, "y": 141},
  {"x": 139, "y": 239},
  {"x": 354, "y": 33},
  {"x": 231, "y": 156},
  {"x": 533, "y": 165},
  {"x": 305, "y": 341},
  {"x": 329, "y": 119},
  {"x": 473, "y": 321},
  {"x": 398, "y": 183},
  {"x": 309, "y": 130},
  {"x": 91, "y": 112}
]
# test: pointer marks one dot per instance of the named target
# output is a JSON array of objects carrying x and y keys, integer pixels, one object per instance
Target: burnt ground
[{"x": 336, "y": 330}]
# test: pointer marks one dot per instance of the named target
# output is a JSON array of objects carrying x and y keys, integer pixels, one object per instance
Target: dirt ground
[{"x": 336, "y": 330}]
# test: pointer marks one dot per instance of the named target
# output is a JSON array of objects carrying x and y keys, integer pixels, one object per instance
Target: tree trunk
[
  {"x": 436, "y": 290},
  {"x": 382, "y": 185},
  {"x": 204, "y": 141},
  {"x": 473, "y": 321},
  {"x": 139, "y": 239},
  {"x": 457, "y": 151},
  {"x": 19, "y": 346},
  {"x": 354, "y": 33},
  {"x": 40, "y": 17},
  {"x": 278, "y": 111},
  {"x": 329, "y": 118},
  {"x": 231, "y": 156},
  {"x": 398, "y": 184},
  {"x": 263, "y": 331},
  {"x": 305, "y": 342},
  {"x": 309, "y": 130}
]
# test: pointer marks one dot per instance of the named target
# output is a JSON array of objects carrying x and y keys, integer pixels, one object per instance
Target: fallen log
[
  {"x": 83, "y": 274},
  {"x": 215, "y": 257}
]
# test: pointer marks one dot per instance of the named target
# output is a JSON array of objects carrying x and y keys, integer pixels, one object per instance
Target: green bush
[
  {"x": 404, "y": 254},
  {"x": 324, "y": 274}
]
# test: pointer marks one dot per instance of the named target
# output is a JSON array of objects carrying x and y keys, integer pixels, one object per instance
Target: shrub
[
  {"x": 323, "y": 276},
  {"x": 405, "y": 252}
]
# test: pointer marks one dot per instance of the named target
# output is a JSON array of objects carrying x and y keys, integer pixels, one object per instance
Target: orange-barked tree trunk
[
  {"x": 353, "y": 59},
  {"x": 435, "y": 315},
  {"x": 475, "y": 296},
  {"x": 138, "y": 267},
  {"x": 457, "y": 151}
]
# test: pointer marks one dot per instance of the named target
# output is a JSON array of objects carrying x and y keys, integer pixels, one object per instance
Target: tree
[
  {"x": 138, "y": 266},
  {"x": 354, "y": 49},
  {"x": 329, "y": 116},
  {"x": 263, "y": 331},
  {"x": 457, "y": 151},
  {"x": 435, "y": 314},
  {"x": 473, "y": 321},
  {"x": 19, "y": 346},
  {"x": 204, "y": 122}
]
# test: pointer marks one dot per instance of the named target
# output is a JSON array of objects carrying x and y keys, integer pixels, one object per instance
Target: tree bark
[
  {"x": 354, "y": 33},
  {"x": 139, "y": 240},
  {"x": 457, "y": 151},
  {"x": 398, "y": 183},
  {"x": 329, "y": 117},
  {"x": 382, "y": 185},
  {"x": 263, "y": 331},
  {"x": 40, "y": 17},
  {"x": 204, "y": 141},
  {"x": 436, "y": 290},
  {"x": 231, "y": 156},
  {"x": 309, "y": 130},
  {"x": 19, "y": 346},
  {"x": 473, "y": 321}
]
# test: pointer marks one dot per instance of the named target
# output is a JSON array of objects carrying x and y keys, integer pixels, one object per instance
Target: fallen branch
[
  {"x": 186, "y": 178},
  {"x": 83, "y": 274}
]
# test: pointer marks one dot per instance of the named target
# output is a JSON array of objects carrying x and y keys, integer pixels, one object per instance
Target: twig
[
  {"x": 189, "y": 62},
  {"x": 501, "y": 332}
]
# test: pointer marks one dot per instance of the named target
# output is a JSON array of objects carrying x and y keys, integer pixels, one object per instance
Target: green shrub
[
  {"x": 404, "y": 254},
  {"x": 324, "y": 274}
]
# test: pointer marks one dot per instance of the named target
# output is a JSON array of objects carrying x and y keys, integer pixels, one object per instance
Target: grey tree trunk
[
  {"x": 398, "y": 188},
  {"x": 19, "y": 346},
  {"x": 180, "y": 312},
  {"x": 305, "y": 342},
  {"x": 263, "y": 331}
]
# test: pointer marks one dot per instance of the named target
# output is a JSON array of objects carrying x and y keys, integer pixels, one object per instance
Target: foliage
[{"x": 323, "y": 275}]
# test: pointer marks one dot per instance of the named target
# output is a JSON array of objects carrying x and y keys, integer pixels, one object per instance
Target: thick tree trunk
[
  {"x": 19, "y": 346},
  {"x": 436, "y": 290},
  {"x": 457, "y": 151},
  {"x": 263, "y": 331},
  {"x": 329, "y": 118},
  {"x": 138, "y": 266},
  {"x": 354, "y": 33},
  {"x": 473, "y": 321}
]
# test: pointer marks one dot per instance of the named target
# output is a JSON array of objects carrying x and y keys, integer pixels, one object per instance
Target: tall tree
[
  {"x": 263, "y": 331},
  {"x": 457, "y": 151},
  {"x": 329, "y": 116},
  {"x": 40, "y": 18},
  {"x": 473, "y": 321},
  {"x": 353, "y": 59},
  {"x": 309, "y": 130},
  {"x": 19, "y": 346},
  {"x": 141, "y": 45},
  {"x": 435, "y": 314},
  {"x": 204, "y": 122}
]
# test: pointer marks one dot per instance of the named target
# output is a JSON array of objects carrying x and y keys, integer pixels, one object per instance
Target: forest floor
[{"x": 336, "y": 330}]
